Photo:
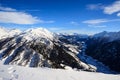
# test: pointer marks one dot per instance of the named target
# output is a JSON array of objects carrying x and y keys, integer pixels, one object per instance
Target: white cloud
[
  {"x": 54, "y": 28},
  {"x": 17, "y": 18},
  {"x": 99, "y": 21},
  {"x": 63, "y": 30},
  {"x": 42, "y": 21},
  {"x": 113, "y": 8},
  {"x": 74, "y": 23},
  {"x": 96, "y": 21},
  {"x": 32, "y": 10},
  {"x": 95, "y": 6},
  {"x": 6, "y": 9},
  {"x": 69, "y": 31},
  {"x": 107, "y": 9},
  {"x": 118, "y": 14},
  {"x": 97, "y": 26},
  {"x": 72, "y": 31},
  {"x": 9, "y": 15}
]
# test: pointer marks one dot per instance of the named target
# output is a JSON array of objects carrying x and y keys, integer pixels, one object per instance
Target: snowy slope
[
  {"x": 100, "y": 67},
  {"x": 40, "y": 48},
  {"x": 10, "y": 72},
  {"x": 36, "y": 33},
  {"x": 5, "y": 33}
]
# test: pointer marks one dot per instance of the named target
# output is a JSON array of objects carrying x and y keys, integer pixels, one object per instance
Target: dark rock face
[
  {"x": 104, "y": 49},
  {"x": 60, "y": 55},
  {"x": 44, "y": 52},
  {"x": 106, "y": 52},
  {"x": 52, "y": 54}
]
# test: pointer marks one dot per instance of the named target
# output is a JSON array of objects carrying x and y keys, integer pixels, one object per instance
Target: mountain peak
[
  {"x": 37, "y": 33},
  {"x": 4, "y": 33}
]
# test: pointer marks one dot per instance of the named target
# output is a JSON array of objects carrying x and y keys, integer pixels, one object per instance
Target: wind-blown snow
[{"x": 10, "y": 72}]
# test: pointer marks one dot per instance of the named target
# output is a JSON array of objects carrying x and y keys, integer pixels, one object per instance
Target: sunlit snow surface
[
  {"x": 12, "y": 72},
  {"x": 33, "y": 34},
  {"x": 30, "y": 34},
  {"x": 4, "y": 33}
]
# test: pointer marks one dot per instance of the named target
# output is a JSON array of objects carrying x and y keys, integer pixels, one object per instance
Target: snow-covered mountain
[
  {"x": 37, "y": 33},
  {"x": 111, "y": 36},
  {"x": 5, "y": 33},
  {"x": 102, "y": 50},
  {"x": 40, "y": 48}
]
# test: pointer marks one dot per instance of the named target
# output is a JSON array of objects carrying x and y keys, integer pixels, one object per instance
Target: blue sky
[{"x": 67, "y": 16}]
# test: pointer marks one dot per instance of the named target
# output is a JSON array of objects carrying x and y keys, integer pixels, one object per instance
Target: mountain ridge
[{"x": 40, "y": 48}]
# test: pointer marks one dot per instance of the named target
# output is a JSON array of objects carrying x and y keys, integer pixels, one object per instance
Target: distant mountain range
[
  {"x": 104, "y": 47},
  {"x": 40, "y": 48}
]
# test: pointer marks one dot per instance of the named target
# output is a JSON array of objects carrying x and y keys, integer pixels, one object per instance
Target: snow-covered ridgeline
[
  {"x": 29, "y": 34},
  {"x": 4, "y": 33}
]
